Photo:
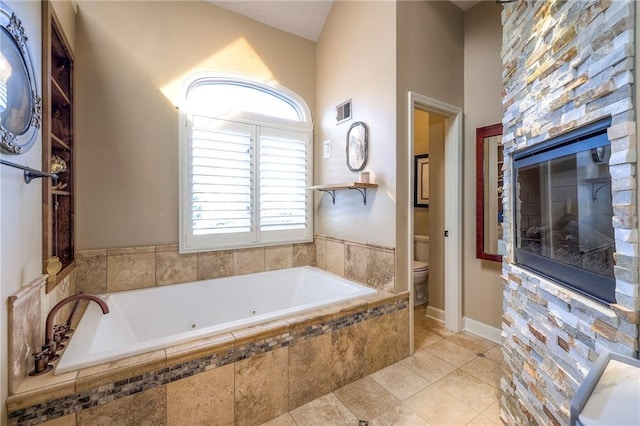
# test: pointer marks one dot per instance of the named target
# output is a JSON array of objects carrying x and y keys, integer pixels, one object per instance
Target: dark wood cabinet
[{"x": 57, "y": 143}]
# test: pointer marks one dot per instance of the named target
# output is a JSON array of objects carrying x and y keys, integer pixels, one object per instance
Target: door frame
[{"x": 452, "y": 208}]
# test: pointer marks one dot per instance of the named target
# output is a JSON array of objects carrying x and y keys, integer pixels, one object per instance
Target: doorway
[
  {"x": 428, "y": 214},
  {"x": 451, "y": 232}
]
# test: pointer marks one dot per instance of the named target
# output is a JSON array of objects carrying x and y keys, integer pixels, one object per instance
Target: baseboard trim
[
  {"x": 481, "y": 329},
  {"x": 435, "y": 313}
]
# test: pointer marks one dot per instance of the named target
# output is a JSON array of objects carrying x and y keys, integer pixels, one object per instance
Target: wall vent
[{"x": 343, "y": 112}]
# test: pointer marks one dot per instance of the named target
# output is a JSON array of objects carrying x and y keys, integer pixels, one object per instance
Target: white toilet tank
[{"x": 421, "y": 248}]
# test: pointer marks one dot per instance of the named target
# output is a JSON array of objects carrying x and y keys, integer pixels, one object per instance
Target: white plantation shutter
[
  {"x": 221, "y": 173},
  {"x": 284, "y": 164},
  {"x": 246, "y": 159},
  {"x": 219, "y": 182},
  {"x": 244, "y": 184}
]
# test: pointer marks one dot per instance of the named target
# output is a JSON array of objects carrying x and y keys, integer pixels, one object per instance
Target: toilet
[{"x": 420, "y": 269}]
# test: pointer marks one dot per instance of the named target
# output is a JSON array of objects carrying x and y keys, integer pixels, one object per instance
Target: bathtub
[{"x": 144, "y": 320}]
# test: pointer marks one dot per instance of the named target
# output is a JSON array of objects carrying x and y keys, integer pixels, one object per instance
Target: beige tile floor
[{"x": 451, "y": 379}]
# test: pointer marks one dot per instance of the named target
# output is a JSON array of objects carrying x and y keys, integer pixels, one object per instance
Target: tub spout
[{"x": 50, "y": 343}]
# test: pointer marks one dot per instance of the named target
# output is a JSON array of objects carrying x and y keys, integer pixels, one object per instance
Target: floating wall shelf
[{"x": 332, "y": 188}]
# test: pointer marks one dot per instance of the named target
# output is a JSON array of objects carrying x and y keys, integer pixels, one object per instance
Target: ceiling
[
  {"x": 465, "y": 4},
  {"x": 304, "y": 18}
]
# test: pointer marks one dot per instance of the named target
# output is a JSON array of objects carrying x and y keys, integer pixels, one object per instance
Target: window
[
  {"x": 246, "y": 160},
  {"x": 564, "y": 210}
]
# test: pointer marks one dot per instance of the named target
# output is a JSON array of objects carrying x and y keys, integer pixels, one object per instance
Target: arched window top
[{"x": 223, "y": 95}]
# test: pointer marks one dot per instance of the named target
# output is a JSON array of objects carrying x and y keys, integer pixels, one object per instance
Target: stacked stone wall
[{"x": 566, "y": 64}]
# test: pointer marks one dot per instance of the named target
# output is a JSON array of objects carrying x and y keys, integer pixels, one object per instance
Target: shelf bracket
[
  {"x": 363, "y": 192},
  {"x": 29, "y": 173},
  {"x": 332, "y": 193},
  {"x": 595, "y": 190}
]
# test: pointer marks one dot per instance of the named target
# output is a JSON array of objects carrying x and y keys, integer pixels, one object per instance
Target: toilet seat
[{"x": 420, "y": 266}]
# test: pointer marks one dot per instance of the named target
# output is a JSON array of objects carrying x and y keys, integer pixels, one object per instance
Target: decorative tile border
[{"x": 74, "y": 403}]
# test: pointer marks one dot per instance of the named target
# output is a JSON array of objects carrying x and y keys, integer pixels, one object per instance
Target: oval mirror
[
  {"x": 357, "y": 146},
  {"x": 20, "y": 106}
]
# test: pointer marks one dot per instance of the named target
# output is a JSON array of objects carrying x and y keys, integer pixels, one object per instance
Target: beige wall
[
  {"x": 66, "y": 14},
  {"x": 131, "y": 60},
  {"x": 356, "y": 60},
  {"x": 20, "y": 207},
  {"x": 482, "y": 296},
  {"x": 429, "y": 50},
  {"x": 420, "y": 146}
]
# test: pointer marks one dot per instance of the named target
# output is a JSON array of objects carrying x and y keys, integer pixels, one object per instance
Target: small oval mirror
[
  {"x": 357, "y": 146},
  {"x": 20, "y": 106}
]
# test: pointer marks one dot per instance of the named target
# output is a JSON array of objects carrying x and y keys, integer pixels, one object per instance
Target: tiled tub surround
[
  {"x": 366, "y": 263},
  {"x": 110, "y": 270},
  {"x": 28, "y": 309},
  {"x": 185, "y": 312},
  {"x": 566, "y": 64},
  {"x": 247, "y": 376}
]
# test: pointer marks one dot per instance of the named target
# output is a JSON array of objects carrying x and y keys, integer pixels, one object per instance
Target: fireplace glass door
[{"x": 564, "y": 213}]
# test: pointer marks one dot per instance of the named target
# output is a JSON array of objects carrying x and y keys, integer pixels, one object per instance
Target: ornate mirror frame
[
  {"x": 488, "y": 191},
  {"x": 357, "y": 146},
  {"x": 18, "y": 90}
]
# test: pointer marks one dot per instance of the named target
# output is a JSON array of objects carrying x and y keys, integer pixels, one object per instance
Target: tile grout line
[{"x": 477, "y": 413}]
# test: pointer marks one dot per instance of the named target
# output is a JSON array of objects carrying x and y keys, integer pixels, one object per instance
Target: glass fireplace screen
[{"x": 564, "y": 209}]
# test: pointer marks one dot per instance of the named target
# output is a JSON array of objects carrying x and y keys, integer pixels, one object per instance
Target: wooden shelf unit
[
  {"x": 332, "y": 188},
  {"x": 58, "y": 221}
]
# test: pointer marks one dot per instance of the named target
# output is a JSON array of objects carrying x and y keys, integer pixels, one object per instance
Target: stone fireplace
[{"x": 566, "y": 66}]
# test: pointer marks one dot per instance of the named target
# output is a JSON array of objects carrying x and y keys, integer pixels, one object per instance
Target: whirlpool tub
[{"x": 144, "y": 320}]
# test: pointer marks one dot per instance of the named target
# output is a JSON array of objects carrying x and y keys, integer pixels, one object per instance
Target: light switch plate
[{"x": 327, "y": 149}]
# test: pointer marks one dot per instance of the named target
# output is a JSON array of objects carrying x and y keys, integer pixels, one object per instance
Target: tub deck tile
[
  {"x": 200, "y": 349},
  {"x": 124, "y": 369},
  {"x": 41, "y": 389},
  {"x": 345, "y": 338},
  {"x": 260, "y": 332}
]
